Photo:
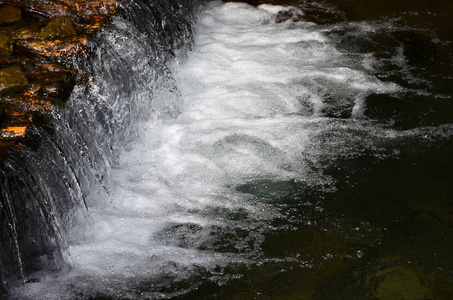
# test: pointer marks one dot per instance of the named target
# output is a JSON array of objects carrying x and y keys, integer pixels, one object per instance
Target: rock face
[
  {"x": 10, "y": 14},
  {"x": 56, "y": 85},
  {"x": 58, "y": 28},
  {"x": 38, "y": 40},
  {"x": 53, "y": 8},
  {"x": 12, "y": 80},
  {"x": 6, "y": 44}
]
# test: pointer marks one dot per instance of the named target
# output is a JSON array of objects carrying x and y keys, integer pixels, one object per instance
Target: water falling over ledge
[{"x": 48, "y": 186}]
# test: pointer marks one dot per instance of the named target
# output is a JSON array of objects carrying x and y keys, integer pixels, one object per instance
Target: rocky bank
[{"x": 38, "y": 41}]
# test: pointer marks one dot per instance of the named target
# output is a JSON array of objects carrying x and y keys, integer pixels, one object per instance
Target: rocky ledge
[{"x": 38, "y": 40}]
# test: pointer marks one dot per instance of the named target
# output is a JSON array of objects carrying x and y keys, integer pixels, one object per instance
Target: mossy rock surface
[
  {"x": 58, "y": 28},
  {"x": 6, "y": 44},
  {"x": 10, "y": 14},
  {"x": 12, "y": 80},
  {"x": 402, "y": 283}
]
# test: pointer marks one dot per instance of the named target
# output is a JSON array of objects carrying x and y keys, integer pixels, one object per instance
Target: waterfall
[{"x": 45, "y": 185}]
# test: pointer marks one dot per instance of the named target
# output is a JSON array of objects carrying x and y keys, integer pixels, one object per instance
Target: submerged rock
[
  {"x": 58, "y": 28},
  {"x": 12, "y": 80},
  {"x": 10, "y": 14},
  {"x": 402, "y": 283}
]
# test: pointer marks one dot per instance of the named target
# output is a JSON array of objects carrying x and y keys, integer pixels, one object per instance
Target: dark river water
[
  {"x": 310, "y": 157},
  {"x": 386, "y": 230}
]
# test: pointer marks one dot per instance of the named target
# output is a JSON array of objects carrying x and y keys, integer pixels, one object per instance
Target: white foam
[{"x": 252, "y": 101}]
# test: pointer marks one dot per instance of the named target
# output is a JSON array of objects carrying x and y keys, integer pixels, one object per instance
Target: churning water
[{"x": 239, "y": 181}]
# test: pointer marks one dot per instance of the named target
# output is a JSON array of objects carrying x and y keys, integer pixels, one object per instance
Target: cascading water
[
  {"x": 45, "y": 186},
  {"x": 227, "y": 162}
]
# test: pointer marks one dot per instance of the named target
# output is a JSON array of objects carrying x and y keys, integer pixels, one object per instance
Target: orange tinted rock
[
  {"x": 25, "y": 31},
  {"x": 22, "y": 112},
  {"x": 10, "y": 14},
  {"x": 54, "y": 8},
  {"x": 12, "y": 80},
  {"x": 98, "y": 7},
  {"x": 90, "y": 24},
  {"x": 21, "y": 106},
  {"x": 56, "y": 48},
  {"x": 33, "y": 91},
  {"x": 52, "y": 84},
  {"x": 13, "y": 132},
  {"x": 31, "y": 64},
  {"x": 41, "y": 46}
]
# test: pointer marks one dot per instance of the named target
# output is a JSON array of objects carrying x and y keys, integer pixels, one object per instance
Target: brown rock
[
  {"x": 91, "y": 24},
  {"x": 25, "y": 31},
  {"x": 58, "y": 28},
  {"x": 97, "y": 7},
  {"x": 56, "y": 48},
  {"x": 20, "y": 109},
  {"x": 2, "y": 113},
  {"x": 52, "y": 84},
  {"x": 12, "y": 80},
  {"x": 33, "y": 90},
  {"x": 30, "y": 64},
  {"x": 40, "y": 46},
  {"x": 54, "y": 8},
  {"x": 6, "y": 44},
  {"x": 12, "y": 132},
  {"x": 10, "y": 14}
]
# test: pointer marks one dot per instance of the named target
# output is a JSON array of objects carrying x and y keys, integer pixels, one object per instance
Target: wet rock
[
  {"x": 33, "y": 90},
  {"x": 22, "y": 112},
  {"x": 6, "y": 44},
  {"x": 91, "y": 24},
  {"x": 101, "y": 7},
  {"x": 2, "y": 113},
  {"x": 58, "y": 28},
  {"x": 52, "y": 84},
  {"x": 23, "y": 109},
  {"x": 10, "y": 14},
  {"x": 4, "y": 148},
  {"x": 12, "y": 80},
  {"x": 402, "y": 283},
  {"x": 57, "y": 48},
  {"x": 53, "y": 8},
  {"x": 13, "y": 132},
  {"x": 286, "y": 15},
  {"x": 30, "y": 64},
  {"x": 35, "y": 53}
]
